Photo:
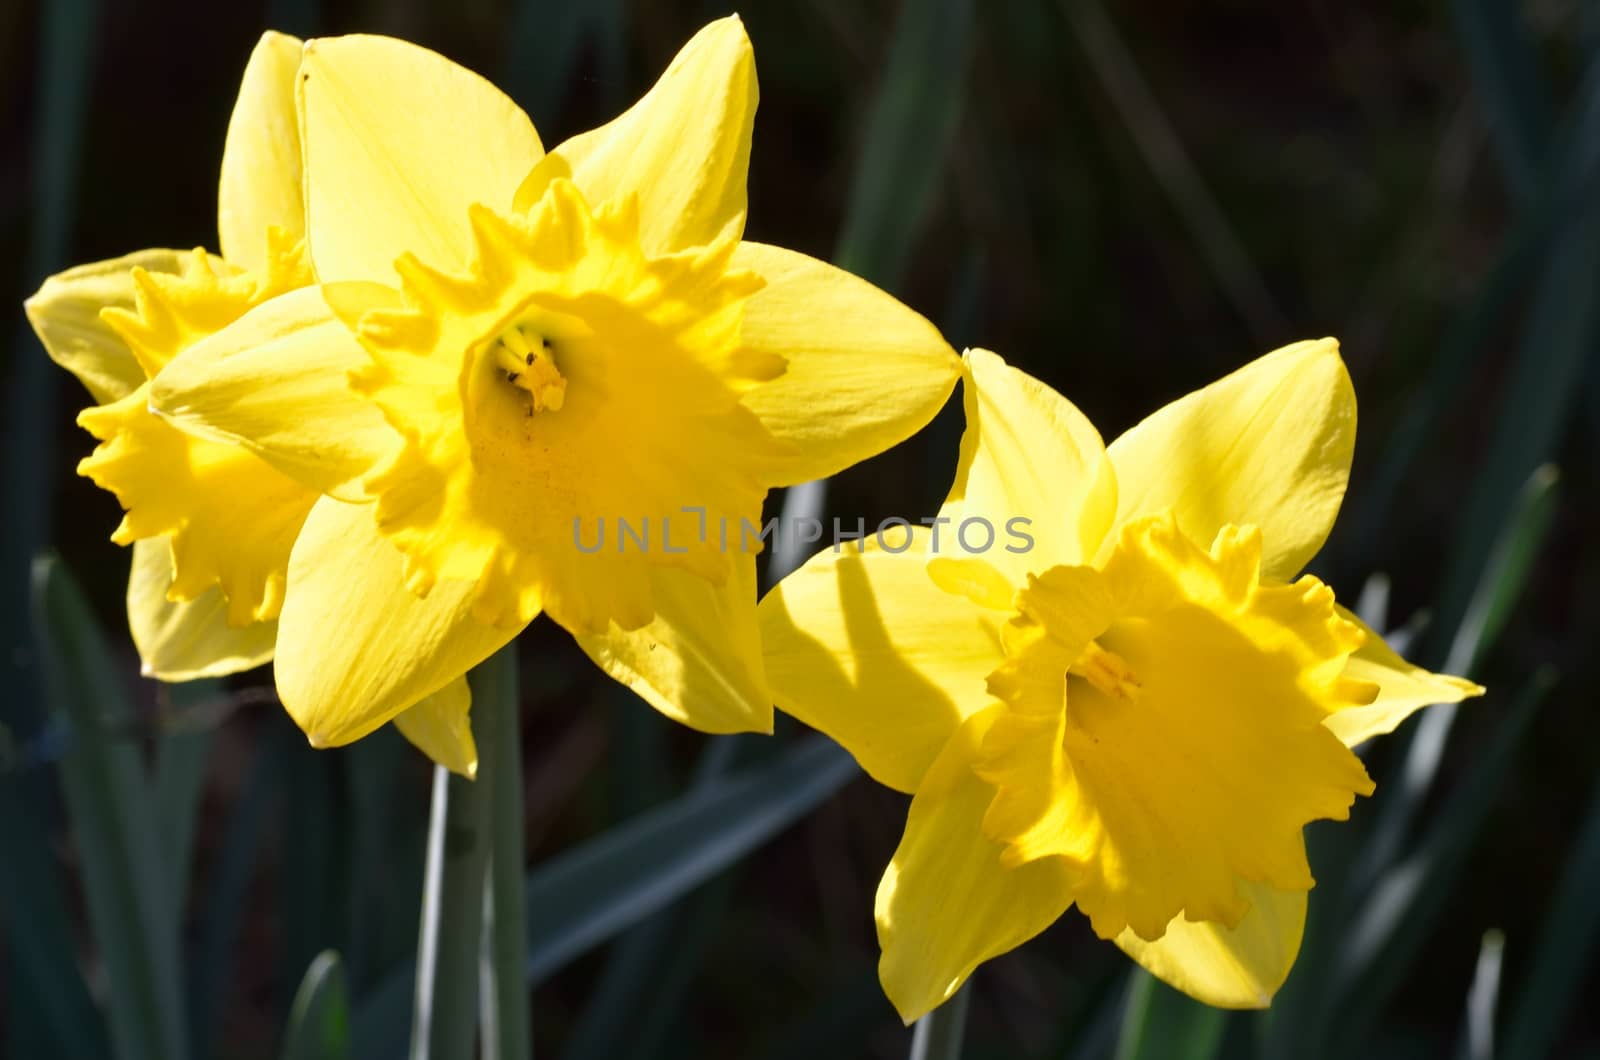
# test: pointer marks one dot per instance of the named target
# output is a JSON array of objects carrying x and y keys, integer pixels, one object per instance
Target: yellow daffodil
[
  {"x": 211, "y": 525},
  {"x": 1130, "y": 703},
  {"x": 210, "y": 522},
  {"x": 565, "y": 341}
]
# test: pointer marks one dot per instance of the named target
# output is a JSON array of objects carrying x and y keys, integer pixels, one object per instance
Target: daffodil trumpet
[{"x": 1140, "y": 714}]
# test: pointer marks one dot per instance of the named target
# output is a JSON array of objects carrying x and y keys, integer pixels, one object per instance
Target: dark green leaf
[
  {"x": 50, "y": 1003},
  {"x": 180, "y": 773},
  {"x": 1564, "y": 951},
  {"x": 1404, "y": 905},
  {"x": 1159, "y": 1023},
  {"x": 111, "y": 809},
  {"x": 1511, "y": 86},
  {"x": 909, "y": 129},
  {"x": 591, "y": 893}
]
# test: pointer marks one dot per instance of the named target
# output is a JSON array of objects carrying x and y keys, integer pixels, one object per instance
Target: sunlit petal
[
  {"x": 355, "y": 647},
  {"x": 866, "y": 648},
  {"x": 398, "y": 142},
  {"x": 1269, "y": 446}
]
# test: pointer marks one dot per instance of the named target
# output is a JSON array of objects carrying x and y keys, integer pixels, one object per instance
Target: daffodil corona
[
  {"x": 1140, "y": 714},
  {"x": 558, "y": 339}
]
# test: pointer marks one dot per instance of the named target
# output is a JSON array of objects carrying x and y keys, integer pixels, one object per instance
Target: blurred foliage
[{"x": 1125, "y": 203}]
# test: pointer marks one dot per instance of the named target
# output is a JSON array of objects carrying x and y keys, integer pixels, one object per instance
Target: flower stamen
[
  {"x": 1106, "y": 671},
  {"x": 531, "y": 366}
]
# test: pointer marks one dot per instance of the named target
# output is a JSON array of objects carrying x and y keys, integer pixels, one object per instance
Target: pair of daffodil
[{"x": 363, "y": 440}]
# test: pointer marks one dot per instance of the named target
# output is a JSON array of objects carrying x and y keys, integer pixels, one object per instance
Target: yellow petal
[
  {"x": 866, "y": 648},
  {"x": 398, "y": 142},
  {"x": 864, "y": 371},
  {"x": 1031, "y": 463},
  {"x": 946, "y": 903},
  {"x": 260, "y": 185},
  {"x": 355, "y": 647},
  {"x": 683, "y": 149},
  {"x": 65, "y": 314},
  {"x": 1241, "y": 967},
  {"x": 276, "y": 381},
  {"x": 699, "y": 660},
  {"x": 1403, "y": 689},
  {"x": 1268, "y": 445},
  {"x": 189, "y": 640},
  {"x": 440, "y": 727}
]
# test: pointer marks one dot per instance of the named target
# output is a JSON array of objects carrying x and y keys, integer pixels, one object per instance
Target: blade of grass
[
  {"x": 1565, "y": 950},
  {"x": 113, "y": 824},
  {"x": 319, "y": 1018},
  {"x": 1512, "y": 560},
  {"x": 1159, "y": 1023},
  {"x": 635, "y": 969},
  {"x": 1390, "y": 926},
  {"x": 661, "y": 1023},
  {"x": 910, "y": 126},
  {"x": 1482, "y": 998},
  {"x": 1499, "y": 587},
  {"x": 1525, "y": 255},
  {"x": 643, "y": 865},
  {"x": 1350, "y": 864},
  {"x": 1561, "y": 330},
  {"x": 939, "y": 1034}
]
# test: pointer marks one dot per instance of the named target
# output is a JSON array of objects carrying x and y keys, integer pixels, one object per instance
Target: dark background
[{"x": 1126, "y": 203}]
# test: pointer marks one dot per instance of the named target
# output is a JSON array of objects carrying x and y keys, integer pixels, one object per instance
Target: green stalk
[
  {"x": 505, "y": 931},
  {"x": 444, "y": 1024},
  {"x": 938, "y": 1035}
]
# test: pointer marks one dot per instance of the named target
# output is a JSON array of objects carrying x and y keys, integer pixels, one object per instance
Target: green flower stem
[
  {"x": 938, "y": 1035},
  {"x": 460, "y": 833},
  {"x": 504, "y": 951}
]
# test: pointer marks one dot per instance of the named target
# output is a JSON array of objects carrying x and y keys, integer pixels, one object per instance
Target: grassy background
[{"x": 1126, "y": 202}]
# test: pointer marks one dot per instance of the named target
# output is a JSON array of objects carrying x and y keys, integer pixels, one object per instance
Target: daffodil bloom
[
  {"x": 1140, "y": 713},
  {"x": 564, "y": 340},
  {"x": 210, "y": 524}
]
